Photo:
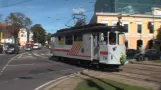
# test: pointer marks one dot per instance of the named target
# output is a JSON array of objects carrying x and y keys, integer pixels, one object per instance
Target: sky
[{"x": 51, "y": 14}]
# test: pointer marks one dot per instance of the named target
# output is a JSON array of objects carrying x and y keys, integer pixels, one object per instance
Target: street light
[
  {"x": 119, "y": 19},
  {"x": 154, "y": 22}
]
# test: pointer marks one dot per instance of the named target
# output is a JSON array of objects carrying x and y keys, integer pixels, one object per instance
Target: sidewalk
[
  {"x": 145, "y": 63},
  {"x": 67, "y": 83}
]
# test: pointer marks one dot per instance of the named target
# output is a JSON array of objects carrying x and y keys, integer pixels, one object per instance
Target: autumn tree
[{"x": 16, "y": 21}]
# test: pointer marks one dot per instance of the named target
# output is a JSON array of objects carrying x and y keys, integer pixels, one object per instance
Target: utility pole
[{"x": 78, "y": 14}]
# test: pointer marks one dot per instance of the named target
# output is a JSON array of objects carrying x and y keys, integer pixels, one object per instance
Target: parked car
[
  {"x": 12, "y": 49},
  {"x": 28, "y": 47},
  {"x": 130, "y": 53},
  {"x": 37, "y": 46},
  {"x": 1, "y": 49},
  {"x": 149, "y": 54}
]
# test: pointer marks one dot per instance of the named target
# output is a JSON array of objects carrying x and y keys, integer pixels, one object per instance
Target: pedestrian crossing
[
  {"x": 40, "y": 54},
  {"x": 32, "y": 55}
]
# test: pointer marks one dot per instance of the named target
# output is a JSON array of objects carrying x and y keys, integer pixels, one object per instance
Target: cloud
[{"x": 79, "y": 10}]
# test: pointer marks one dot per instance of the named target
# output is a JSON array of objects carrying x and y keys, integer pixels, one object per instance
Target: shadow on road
[{"x": 86, "y": 66}]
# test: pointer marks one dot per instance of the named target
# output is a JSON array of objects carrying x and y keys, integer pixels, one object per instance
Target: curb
[
  {"x": 144, "y": 63},
  {"x": 49, "y": 85}
]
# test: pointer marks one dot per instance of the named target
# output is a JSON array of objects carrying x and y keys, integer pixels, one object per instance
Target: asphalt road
[{"x": 29, "y": 70}]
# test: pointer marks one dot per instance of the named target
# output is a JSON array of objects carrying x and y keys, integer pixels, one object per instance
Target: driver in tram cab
[
  {"x": 112, "y": 40},
  {"x": 103, "y": 41}
]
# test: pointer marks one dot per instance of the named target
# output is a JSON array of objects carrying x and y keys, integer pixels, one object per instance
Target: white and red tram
[{"x": 95, "y": 43}]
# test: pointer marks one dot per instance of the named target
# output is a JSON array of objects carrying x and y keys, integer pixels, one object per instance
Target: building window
[
  {"x": 139, "y": 44},
  {"x": 126, "y": 27},
  {"x": 69, "y": 40},
  {"x": 126, "y": 43},
  {"x": 139, "y": 28}
]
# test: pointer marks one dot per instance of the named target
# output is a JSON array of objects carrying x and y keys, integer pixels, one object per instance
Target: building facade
[
  {"x": 24, "y": 35},
  {"x": 136, "y": 16},
  {"x": 137, "y": 26}
]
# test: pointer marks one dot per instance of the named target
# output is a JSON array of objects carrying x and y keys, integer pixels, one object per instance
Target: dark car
[
  {"x": 130, "y": 53},
  {"x": 1, "y": 49},
  {"x": 150, "y": 54},
  {"x": 12, "y": 49}
]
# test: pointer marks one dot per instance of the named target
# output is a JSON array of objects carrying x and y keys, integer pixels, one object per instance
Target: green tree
[
  {"x": 49, "y": 37},
  {"x": 17, "y": 21},
  {"x": 39, "y": 34}
]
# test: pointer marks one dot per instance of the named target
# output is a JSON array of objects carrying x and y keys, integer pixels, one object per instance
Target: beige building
[{"x": 137, "y": 25}]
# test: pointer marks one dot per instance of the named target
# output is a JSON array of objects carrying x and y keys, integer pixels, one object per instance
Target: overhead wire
[{"x": 13, "y": 4}]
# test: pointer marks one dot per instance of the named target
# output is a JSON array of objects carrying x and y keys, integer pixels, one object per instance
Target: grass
[
  {"x": 156, "y": 61},
  {"x": 104, "y": 84}
]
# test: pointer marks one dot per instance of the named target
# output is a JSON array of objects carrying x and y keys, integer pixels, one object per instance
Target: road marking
[
  {"x": 2, "y": 54},
  {"x": 36, "y": 54},
  {"x": 29, "y": 54},
  {"x": 9, "y": 62},
  {"x": 42, "y": 54},
  {"x": 63, "y": 77},
  {"x": 21, "y": 65}
]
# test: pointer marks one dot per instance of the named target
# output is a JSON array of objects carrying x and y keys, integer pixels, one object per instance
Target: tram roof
[{"x": 90, "y": 28}]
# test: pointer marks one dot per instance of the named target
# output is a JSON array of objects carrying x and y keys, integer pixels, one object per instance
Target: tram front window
[{"x": 112, "y": 38}]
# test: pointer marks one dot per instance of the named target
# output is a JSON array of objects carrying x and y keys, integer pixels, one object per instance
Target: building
[
  {"x": 127, "y": 6},
  {"x": 6, "y": 36},
  {"x": 23, "y": 36},
  {"x": 135, "y": 19}
]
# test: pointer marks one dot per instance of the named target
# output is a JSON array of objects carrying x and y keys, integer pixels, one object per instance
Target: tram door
[{"x": 96, "y": 40}]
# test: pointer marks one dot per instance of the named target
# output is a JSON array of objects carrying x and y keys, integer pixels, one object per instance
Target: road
[{"x": 29, "y": 70}]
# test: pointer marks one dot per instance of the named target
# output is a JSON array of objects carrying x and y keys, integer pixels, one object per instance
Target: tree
[
  {"x": 80, "y": 22},
  {"x": 49, "y": 37},
  {"x": 39, "y": 34},
  {"x": 17, "y": 21}
]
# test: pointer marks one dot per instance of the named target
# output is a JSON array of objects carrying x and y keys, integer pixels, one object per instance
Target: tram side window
[
  {"x": 60, "y": 38},
  {"x": 78, "y": 38},
  {"x": 112, "y": 38},
  {"x": 104, "y": 38},
  {"x": 69, "y": 40},
  {"x": 121, "y": 39}
]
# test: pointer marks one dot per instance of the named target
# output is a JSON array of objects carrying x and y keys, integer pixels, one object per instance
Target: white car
[{"x": 36, "y": 46}]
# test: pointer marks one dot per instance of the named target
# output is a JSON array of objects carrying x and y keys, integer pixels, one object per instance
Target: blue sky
[{"x": 51, "y": 14}]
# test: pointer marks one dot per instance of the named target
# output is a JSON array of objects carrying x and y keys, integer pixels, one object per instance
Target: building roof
[
  {"x": 91, "y": 28},
  {"x": 3, "y": 24}
]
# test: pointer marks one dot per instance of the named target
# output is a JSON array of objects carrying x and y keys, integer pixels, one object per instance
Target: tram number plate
[{"x": 104, "y": 57}]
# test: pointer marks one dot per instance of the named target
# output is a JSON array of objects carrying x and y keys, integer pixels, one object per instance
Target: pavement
[{"x": 30, "y": 70}]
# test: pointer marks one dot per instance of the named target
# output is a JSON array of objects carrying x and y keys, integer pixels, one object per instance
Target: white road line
[
  {"x": 2, "y": 54},
  {"x": 29, "y": 54},
  {"x": 22, "y": 55},
  {"x": 36, "y": 54},
  {"x": 54, "y": 81},
  {"x": 21, "y": 65},
  {"x": 9, "y": 62}
]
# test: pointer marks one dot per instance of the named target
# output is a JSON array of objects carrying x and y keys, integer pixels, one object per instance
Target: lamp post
[
  {"x": 153, "y": 10},
  {"x": 119, "y": 19}
]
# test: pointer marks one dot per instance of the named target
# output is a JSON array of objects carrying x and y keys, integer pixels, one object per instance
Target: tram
[{"x": 91, "y": 44}]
